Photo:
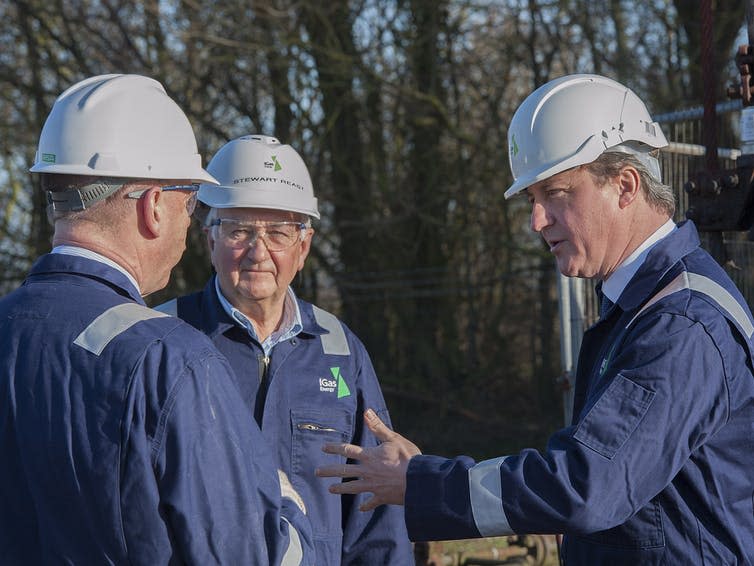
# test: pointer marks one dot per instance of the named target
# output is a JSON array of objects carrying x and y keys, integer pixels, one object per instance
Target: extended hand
[{"x": 381, "y": 470}]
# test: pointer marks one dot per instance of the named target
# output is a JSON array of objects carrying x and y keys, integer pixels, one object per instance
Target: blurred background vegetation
[{"x": 400, "y": 110}]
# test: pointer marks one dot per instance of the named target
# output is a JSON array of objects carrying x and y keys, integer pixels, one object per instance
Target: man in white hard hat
[
  {"x": 656, "y": 467},
  {"x": 301, "y": 372},
  {"x": 122, "y": 436}
]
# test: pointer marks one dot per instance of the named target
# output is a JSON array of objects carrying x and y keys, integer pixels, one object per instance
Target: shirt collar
[
  {"x": 613, "y": 286},
  {"x": 290, "y": 324},
  {"x": 89, "y": 254}
]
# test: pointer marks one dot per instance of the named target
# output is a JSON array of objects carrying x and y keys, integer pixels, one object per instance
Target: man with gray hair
[
  {"x": 656, "y": 466},
  {"x": 122, "y": 434}
]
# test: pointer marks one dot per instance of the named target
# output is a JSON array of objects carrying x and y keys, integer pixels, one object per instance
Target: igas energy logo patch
[{"x": 327, "y": 385}]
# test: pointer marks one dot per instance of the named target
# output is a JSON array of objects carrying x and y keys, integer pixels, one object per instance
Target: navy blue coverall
[
  {"x": 658, "y": 464},
  {"x": 311, "y": 389},
  {"x": 123, "y": 437}
]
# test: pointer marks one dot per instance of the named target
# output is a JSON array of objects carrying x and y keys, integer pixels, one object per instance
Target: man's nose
[
  {"x": 539, "y": 218},
  {"x": 257, "y": 247}
]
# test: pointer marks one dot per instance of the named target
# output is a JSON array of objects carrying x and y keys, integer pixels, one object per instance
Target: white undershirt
[
  {"x": 89, "y": 254},
  {"x": 613, "y": 286}
]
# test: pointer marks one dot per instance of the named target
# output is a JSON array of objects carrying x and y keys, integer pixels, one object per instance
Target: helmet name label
[
  {"x": 292, "y": 184},
  {"x": 244, "y": 180},
  {"x": 254, "y": 180},
  {"x": 48, "y": 157}
]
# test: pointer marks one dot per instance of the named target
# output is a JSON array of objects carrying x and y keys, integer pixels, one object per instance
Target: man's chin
[
  {"x": 566, "y": 268},
  {"x": 255, "y": 292}
]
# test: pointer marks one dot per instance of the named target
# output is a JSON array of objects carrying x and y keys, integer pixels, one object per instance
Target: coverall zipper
[
  {"x": 315, "y": 427},
  {"x": 264, "y": 364}
]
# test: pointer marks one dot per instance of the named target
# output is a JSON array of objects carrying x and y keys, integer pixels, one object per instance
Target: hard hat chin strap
[{"x": 83, "y": 197}]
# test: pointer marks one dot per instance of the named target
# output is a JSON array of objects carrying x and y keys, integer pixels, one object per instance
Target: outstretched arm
[{"x": 381, "y": 470}]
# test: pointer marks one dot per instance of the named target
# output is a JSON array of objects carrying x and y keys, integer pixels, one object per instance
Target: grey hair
[{"x": 608, "y": 165}]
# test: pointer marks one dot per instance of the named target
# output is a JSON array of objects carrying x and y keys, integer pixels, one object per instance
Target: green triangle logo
[
  {"x": 278, "y": 167},
  {"x": 343, "y": 390},
  {"x": 514, "y": 146}
]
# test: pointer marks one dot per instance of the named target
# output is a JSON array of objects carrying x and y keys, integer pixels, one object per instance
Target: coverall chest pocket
[
  {"x": 311, "y": 429},
  {"x": 609, "y": 428}
]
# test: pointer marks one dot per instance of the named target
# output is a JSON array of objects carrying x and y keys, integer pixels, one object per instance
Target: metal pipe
[{"x": 709, "y": 82}]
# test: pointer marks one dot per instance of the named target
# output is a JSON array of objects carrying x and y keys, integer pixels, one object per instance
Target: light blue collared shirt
[
  {"x": 290, "y": 325},
  {"x": 89, "y": 254},
  {"x": 613, "y": 286}
]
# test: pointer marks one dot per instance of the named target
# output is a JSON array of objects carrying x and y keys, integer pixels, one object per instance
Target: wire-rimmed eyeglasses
[
  {"x": 193, "y": 188},
  {"x": 277, "y": 236}
]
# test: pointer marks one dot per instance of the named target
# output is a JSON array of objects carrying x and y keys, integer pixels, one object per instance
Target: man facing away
[
  {"x": 301, "y": 372},
  {"x": 122, "y": 435},
  {"x": 656, "y": 466}
]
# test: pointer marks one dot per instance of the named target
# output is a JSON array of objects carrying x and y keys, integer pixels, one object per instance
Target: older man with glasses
[{"x": 302, "y": 373}]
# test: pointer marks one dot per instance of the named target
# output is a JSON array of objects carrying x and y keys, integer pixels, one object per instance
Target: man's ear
[
  {"x": 152, "y": 211},
  {"x": 305, "y": 247},
  {"x": 629, "y": 185}
]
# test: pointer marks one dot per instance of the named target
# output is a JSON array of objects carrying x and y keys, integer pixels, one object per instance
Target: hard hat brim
[
  {"x": 196, "y": 176},
  {"x": 241, "y": 197}
]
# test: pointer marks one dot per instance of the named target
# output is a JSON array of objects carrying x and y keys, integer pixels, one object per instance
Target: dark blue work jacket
[
  {"x": 313, "y": 389},
  {"x": 122, "y": 437},
  {"x": 658, "y": 465}
]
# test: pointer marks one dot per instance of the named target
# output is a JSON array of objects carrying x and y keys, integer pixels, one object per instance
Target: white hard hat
[
  {"x": 119, "y": 126},
  {"x": 571, "y": 121},
  {"x": 257, "y": 171}
]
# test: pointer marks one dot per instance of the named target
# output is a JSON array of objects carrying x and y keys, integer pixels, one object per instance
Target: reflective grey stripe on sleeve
[
  {"x": 287, "y": 490},
  {"x": 170, "y": 308},
  {"x": 707, "y": 286},
  {"x": 111, "y": 323},
  {"x": 485, "y": 492},
  {"x": 294, "y": 554},
  {"x": 335, "y": 342}
]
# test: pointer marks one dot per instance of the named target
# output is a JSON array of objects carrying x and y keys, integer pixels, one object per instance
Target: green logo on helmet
[
  {"x": 48, "y": 157},
  {"x": 278, "y": 167},
  {"x": 514, "y": 146}
]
